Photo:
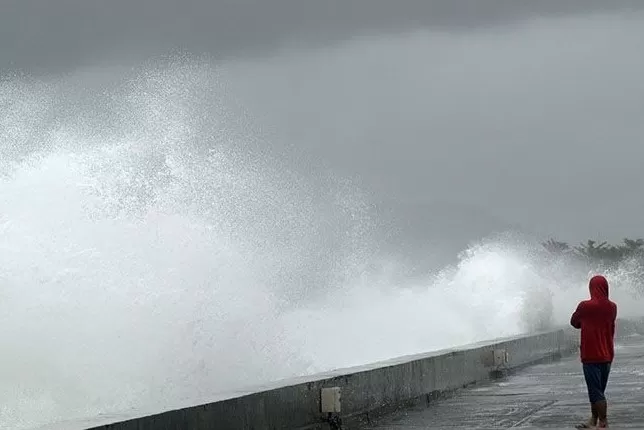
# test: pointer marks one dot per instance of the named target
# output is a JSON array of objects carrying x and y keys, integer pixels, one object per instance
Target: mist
[
  {"x": 198, "y": 223},
  {"x": 534, "y": 128}
]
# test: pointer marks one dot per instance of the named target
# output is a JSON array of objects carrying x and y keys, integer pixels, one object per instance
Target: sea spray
[{"x": 154, "y": 251}]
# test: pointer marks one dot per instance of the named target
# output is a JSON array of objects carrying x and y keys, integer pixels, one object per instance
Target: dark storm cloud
[{"x": 48, "y": 35}]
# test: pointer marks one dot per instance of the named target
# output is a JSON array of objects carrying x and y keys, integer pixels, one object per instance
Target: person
[{"x": 596, "y": 319}]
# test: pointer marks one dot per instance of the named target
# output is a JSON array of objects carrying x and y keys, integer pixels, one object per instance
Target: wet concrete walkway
[{"x": 549, "y": 396}]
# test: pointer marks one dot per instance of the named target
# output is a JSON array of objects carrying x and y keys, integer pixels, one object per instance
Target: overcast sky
[
  {"x": 43, "y": 34},
  {"x": 501, "y": 113}
]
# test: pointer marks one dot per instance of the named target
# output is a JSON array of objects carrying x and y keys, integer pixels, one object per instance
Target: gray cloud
[
  {"x": 460, "y": 117},
  {"x": 45, "y": 35},
  {"x": 537, "y": 125}
]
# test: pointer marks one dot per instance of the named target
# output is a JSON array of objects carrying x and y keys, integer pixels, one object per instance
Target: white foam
[{"x": 148, "y": 255}]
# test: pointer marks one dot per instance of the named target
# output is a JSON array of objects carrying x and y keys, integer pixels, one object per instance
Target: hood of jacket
[{"x": 598, "y": 286}]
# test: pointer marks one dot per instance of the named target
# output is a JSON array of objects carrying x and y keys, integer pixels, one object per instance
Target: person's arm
[{"x": 575, "y": 319}]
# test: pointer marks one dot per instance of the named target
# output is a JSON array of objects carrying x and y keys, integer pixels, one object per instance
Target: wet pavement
[{"x": 548, "y": 396}]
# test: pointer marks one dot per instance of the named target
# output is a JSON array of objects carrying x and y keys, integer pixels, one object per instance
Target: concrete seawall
[{"x": 357, "y": 394}]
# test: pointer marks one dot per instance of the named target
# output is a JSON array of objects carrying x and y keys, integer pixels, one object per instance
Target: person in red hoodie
[{"x": 596, "y": 319}]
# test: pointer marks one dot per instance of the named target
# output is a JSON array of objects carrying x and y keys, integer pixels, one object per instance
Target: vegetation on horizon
[{"x": 599, "y": 252}]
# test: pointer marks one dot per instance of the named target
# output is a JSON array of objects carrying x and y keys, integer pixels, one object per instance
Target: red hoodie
[{"x": 596, "y": 319}]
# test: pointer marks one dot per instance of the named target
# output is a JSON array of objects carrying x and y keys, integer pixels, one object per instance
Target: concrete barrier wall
[{"x": 366, "y": 390}]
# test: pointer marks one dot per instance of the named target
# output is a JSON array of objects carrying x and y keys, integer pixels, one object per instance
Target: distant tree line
[{"x": 599, "y": 252}]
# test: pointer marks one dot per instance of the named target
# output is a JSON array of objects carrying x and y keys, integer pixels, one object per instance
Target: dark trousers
[{"x": 596, "y": 376}]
